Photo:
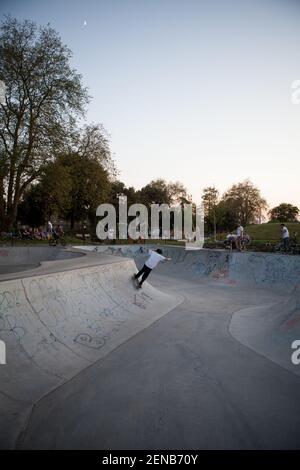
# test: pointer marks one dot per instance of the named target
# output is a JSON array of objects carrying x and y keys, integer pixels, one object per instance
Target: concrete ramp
[
  {"x": 271, "y": 330},
  {"x": 280, "y": 273},
  {"x": 268, "y": 329},
  {"x": 187, "y": 381},
  {"x": 22, "y": 258},
  {"x": 55, "y": 325}
]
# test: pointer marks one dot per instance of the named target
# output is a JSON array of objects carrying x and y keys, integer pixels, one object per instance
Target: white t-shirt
[
  {"x": 240, "y": 231},
  {"x": 154, "y": 259},
  {"x": 285, "y": 232}
]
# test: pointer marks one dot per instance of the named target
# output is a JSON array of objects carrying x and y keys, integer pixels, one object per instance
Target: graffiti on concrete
[
  {"x": 89, "y": 341},
  {"x": 77, "y": 308}
]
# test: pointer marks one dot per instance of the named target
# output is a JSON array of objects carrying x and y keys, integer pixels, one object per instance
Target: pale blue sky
[{"x": 189, "y": 90}]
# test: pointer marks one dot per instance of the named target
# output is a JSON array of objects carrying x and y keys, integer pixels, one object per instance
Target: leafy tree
[
  {"x": 210, "y": 198},
  {"x": 43, "y": 97},
  {"x": 246, "y": 201},
  {"x": 156, "y": 192},
  {"x": 284, "y": 213},
  {"x": 90, "y": 187},
  {"x": 91, "y": 170},
  {"x": 178, "y": 193},
  {"x": 226, "y": 214},
  {"x": 92, "y": 142},
  {"x": 118, "y": 188},
  {"x": 32, "y": 209},
  {"x": 160, "y": 191},
  {"x": 76, "y": 182},
  {"x": 56, "y": 186}
]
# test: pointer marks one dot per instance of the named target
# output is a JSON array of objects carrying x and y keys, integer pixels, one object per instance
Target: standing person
[
  {"x": 239, "y": 235},
  {"x": 60, "y": 231},
  {"x": 49, "y": 229},
  {"x": 153, "y": 260},
  {"x": 285, "y": 235},
  {"x": 83, "y": 231},
  {"x": 230, "y": 241},
  {"x": 245, "y": 240}
]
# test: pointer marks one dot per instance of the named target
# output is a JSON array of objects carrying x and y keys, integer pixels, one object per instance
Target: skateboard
[{"x": 136, "y": 283}]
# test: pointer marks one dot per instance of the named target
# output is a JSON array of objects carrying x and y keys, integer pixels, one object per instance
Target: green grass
[
  {"x": 17, "y": 242},
  {"x": 78, "y": 241},
  {"x": 270, "y": 232},
  {"x": 260, "y": 234}
]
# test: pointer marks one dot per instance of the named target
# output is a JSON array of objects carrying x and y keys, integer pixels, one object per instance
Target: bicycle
[
  {"x": 57, "y": 240},
  {"x": 293, "y": 248}
]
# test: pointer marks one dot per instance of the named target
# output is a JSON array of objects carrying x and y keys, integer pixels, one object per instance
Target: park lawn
[
  {"x": 71, "y": 240},
  {"x": 17, "y": 242},
  {"x": 260, "y": 234},
  {"x": 270, "y": 232}
]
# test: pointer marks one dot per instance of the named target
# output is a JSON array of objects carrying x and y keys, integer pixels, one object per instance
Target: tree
[
  {"x": 76, "y": 182},
  {"x": 246, "y": 201},
  {"x": 44, "y": 95},
  {"x": 55, "y": 187},
  {"x": 32, "y": 209},
  {"x": 178, "y": 193},
  {"x": 90, "y": 187},
  {"x": 92, "y": 142},
  {"x": 91, "y": 170},
  {"x": 226, "y": 215},
  {"x": 160, "y": 191},
  {"x": 118, "y": 188},
  {"x": 284, "y": 213},
  {"x": 210, "y": 198},
  {"x": 156, "y": 191}
]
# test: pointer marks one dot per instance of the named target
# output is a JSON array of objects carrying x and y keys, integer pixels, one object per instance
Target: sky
[{"x": 191, "y": 90}]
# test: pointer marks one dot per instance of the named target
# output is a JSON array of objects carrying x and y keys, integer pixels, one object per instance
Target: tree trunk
[
  {"x": 10, "y": 217},
  {"x": 72, "y": 221},
  {"x": 2, "y": 204}
]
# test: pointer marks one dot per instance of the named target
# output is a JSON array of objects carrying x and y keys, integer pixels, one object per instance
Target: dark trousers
[
  {"x": 286, "y": 243},
  {"x": 145, "y": 271}
]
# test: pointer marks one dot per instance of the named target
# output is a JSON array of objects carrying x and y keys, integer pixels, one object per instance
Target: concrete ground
[{"x": 183, "y": 382}]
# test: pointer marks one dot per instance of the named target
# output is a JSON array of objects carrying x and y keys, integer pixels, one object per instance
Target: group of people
[
  {"x": 238, "y": 240},
  {"x": 56, "y": 232},
  {"x": 40, "y": 233},
  {"x": 27, "y": 233}
]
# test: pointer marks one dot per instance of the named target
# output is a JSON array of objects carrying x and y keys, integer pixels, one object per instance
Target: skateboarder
[{"x": 153, "y": 260}]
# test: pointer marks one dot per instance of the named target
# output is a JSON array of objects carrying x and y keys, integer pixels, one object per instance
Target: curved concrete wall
[
  {"x": 268, "y": 329},
  {"x": 55, "y": 325},
  {"x": 33, "y": 255},
  {"x": 263, "y": 270},
  {"x": 271, "y": 329}
]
